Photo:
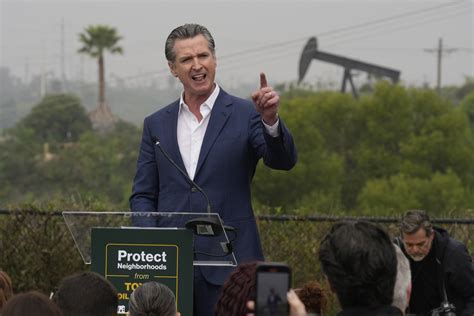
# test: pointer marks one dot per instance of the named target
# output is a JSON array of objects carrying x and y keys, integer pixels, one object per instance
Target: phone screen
[{"x": 272, "y": 287}]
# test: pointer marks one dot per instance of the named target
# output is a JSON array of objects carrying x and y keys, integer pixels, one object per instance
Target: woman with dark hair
[
  {"x": 152, "y": 299},
  {"x": 31, "y": 303},
  {"x": 6, "y": 289},
  {"x": 237, "y": 290}
]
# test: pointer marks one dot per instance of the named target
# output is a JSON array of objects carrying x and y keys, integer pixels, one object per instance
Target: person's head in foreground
[
  {"x": 360, "y": 263},
  {"x": 86, "y": 294},
  {"x": 237, "y": 291},
  {"x": 31, "y": 304},
  {"x": 152, "y": 298}
]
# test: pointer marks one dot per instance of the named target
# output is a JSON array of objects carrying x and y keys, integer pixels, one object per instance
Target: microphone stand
[{"x": 202, "y": 226}]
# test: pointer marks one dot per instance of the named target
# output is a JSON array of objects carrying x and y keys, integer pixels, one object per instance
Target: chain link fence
[{"x": 37, "y": 250}]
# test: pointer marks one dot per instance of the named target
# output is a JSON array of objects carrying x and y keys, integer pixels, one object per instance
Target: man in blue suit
[{"x": 217, "y": 139}]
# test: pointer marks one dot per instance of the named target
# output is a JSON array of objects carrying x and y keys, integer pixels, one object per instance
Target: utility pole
[
  {"x": 27, "y": 71},
  {"x": 63, "y": 71},
  {"x": 439, "y": 53},
  {"x": 43, "y": 72}
]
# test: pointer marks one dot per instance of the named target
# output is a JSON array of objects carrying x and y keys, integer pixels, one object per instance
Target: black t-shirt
[{"x": 425, "y": 287}]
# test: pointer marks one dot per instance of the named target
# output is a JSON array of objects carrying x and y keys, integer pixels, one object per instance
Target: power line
[
  {"x": 391, "y": 19},
  {"x": 343, "y": 29},
  {"x": 404, "y": 27},
  {"x": 380, "y": 31}
]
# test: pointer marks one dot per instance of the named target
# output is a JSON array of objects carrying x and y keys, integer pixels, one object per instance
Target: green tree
[
  {"x": 315, "y": 181},
  {"x": 440, "y": 193},
  {"x": 96, "y": 40},
  {"x": 18, "y": 161},
  {"x": 57, "y": 118},
  {"x": 441, "y": 141},
  {"x": 467, "y": 106},
  {"x": 98, "y": 167},
  {"x": 466, "y": 88}
]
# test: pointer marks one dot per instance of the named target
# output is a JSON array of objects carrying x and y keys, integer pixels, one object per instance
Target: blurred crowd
[{"x": 423, "y": 271}]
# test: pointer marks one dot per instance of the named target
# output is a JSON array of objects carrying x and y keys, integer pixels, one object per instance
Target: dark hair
[
  {"x": 360, "y": 263},
  {"x": 237, "y": 290},
  {"x": 31, "y": 303},
  {"x": 6, "y": 289},
  {"x": 312, "y": 296},
  {"x": 152, "y": 299},
  {"x": 187, "y": 31},
  {"x": 413, "y": 220},
  {"x": 86, "y": 293}
]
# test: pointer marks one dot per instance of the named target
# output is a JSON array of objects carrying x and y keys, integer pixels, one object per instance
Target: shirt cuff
[{"x": 274, "y": 130}]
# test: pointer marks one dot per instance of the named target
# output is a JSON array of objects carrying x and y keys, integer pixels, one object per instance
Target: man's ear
[
  {"x": 178, "y": 314},
  {"x": 432, "y": 236},
  {"x": 172, "y": 69}
]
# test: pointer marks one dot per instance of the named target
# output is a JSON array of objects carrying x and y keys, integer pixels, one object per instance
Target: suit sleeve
[
  {"x": 145, "y": 189},
  {"x": 277, "y": 152}
]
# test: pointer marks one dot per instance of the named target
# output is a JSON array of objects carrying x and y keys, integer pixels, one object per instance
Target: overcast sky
[{"x": 251, "y": 36}]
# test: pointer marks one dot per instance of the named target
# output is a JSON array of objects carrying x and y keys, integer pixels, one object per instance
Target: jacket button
[{"x": 193, "y": 189}]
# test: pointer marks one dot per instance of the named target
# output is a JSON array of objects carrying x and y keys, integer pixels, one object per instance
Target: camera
[{"x": 446, "y": 309}]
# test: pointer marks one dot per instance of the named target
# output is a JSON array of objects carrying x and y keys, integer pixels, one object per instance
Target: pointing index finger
[{"x": 263, "y": 80}]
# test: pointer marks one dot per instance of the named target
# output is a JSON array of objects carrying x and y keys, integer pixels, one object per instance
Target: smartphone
[{"x": 273, "y": 281}]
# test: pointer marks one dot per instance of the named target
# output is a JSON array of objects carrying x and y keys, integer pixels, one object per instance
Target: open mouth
[{"x": 199, "y": 77}]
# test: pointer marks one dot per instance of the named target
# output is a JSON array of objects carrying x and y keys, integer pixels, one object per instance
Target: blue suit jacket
[{"x": 233, "y": 143}]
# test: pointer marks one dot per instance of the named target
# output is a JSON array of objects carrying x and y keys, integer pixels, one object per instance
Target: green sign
[{"x": 129, "y": 257}]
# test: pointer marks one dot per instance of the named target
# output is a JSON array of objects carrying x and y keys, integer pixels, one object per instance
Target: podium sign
[{"x": 129, "y": 257}]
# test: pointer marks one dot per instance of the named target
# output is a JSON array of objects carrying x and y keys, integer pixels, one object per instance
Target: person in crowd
[
  {"x": 86, "y": 294},
  {"x": 30, "y": 304},
  {"x": 313, "y": 297},
  {"x": 442, "y": 270},
  {"x": 237, "y": 290},
  {"x": 6, "y": 288},
  {"x": 402, "y": 290},
  {"x": 152, "y": 298},
  {"x": 236, "y": 297},
  {"x": 216, "y": 140},
  {"x": 360, "y": 263}
]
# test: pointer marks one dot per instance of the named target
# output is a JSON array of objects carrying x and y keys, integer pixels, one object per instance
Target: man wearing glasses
[{"x": 441, "y": 268}]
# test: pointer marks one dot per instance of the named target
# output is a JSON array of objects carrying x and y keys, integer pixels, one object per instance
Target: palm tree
[{"x": 96, "y": 40}]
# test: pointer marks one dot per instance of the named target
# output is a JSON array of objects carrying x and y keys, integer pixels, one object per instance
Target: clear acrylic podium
[{"x": 211, "y": 244}]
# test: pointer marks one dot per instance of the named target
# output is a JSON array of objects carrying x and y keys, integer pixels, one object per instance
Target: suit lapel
[
  {"x": 220, "y": 114},
  {"x": 170, "y": 127}
]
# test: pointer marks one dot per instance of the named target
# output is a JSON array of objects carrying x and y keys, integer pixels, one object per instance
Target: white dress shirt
[{"x": 191, "y": 132}]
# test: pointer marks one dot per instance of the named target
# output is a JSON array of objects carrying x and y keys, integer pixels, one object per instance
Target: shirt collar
[{"x": 209, "y": 102}]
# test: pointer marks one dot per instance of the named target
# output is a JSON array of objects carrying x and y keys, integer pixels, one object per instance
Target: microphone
[{"x": 203, "y": 226}]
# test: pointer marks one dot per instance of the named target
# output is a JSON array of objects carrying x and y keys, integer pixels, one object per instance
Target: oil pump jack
[{"x": 311, "y": 52}]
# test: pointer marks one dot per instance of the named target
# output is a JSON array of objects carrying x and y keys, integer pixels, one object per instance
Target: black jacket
[{"x": 455, "y": 264}]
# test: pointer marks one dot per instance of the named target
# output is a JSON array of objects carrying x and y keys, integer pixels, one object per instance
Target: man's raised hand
[{"x": 266, "y": 101}]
